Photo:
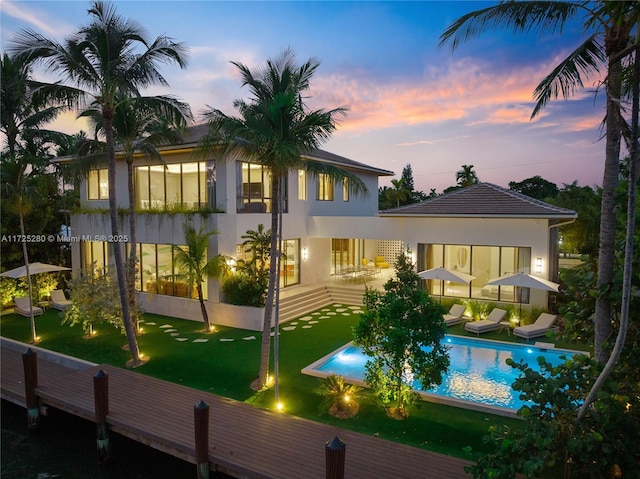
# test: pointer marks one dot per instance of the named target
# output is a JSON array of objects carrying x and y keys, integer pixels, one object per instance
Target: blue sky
[{"x": 410, "y": 102}]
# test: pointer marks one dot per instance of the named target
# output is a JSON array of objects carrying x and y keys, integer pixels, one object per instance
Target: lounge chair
[
  {"x": 543, "y": 324},
  {"x": 22, "y": 307},
  {"x": 492, "y": 322},
  {"x": 455, "y": 315},
  {"x": 59, "y": 300}
]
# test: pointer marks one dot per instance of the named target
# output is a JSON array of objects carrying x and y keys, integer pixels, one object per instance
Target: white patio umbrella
[
  {"x": 34, "y": 268},
  {"x": 444, "y": 274},
  {"x": 524, "y": 280}
]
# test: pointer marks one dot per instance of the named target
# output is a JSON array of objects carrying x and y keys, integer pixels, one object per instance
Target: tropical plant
[
  {"x": 609, "y": 43},
  {"x": 466, "y": 176},
  {"x": 341, "y": 395},
  {"x": 94, "y": 300},
  {"x": 275, "y": 129},
  {"x": 398, "y": 193},
  {"x": 257, "y": 243},
  {"x": 102, "y": 63},
  {"x": 241, "y": 289},
  {"x": 401, "y": 330},
  {"x": 140, "y": 125},
  {"x": 194, "y": 266},
  {"x": 553, "y": 443},
  {"x": 24, "y": 112}
]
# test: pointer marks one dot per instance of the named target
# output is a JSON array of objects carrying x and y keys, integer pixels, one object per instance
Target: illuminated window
[
  {"x": 254, "y": 188},
  {"x": 483, "y": 262},
  {"x": 325, "y": 188},
  {"x": 345, "y": 189},
  {"x": 302, "y": 185},
  {"x": 181, "y": 184},
  {"x": 98, "y": 184}
]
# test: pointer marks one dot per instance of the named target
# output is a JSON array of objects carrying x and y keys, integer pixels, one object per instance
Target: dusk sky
[{"x": 410, "y": 101}]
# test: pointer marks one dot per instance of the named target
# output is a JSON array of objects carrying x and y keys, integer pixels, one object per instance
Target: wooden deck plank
[{"x": 245, "y": 441}]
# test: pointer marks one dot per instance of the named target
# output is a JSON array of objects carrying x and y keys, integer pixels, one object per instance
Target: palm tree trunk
[
  {"x": 131, "y": 265},
  {"x": 606, "y": 258},
  {"x": 629, "y": 238},
  {"x": 117, "y": 249},
  {"x": 265, "y": 352},
  {"x": 205, "y": 315},
  {"x": 32, "y": 320}
]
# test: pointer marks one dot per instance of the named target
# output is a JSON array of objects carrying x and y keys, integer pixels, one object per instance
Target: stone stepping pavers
[
  {"x": 200, "y": 341},
  {"x": 294, "y": 323},
  {"x": 226, "y": 340},
  {"x": 353, "y": 307},
  {"x": 307, "y": 327},
  {"x": 322, "y": 317},
  {"x": 291, "y": 328},
  {"x": 314, "y": 322},
  {"x": 249, "y": 338},
  {"x": 340, "y": 310},
  {"x": 315, "y": 313},
  {"x": 166, "y": 326},
  {"x": 175, "y": 334},
  {"x": 181, "y": 339},
  {"x": 170, "y": 330},
  {"x": 150, "y": 324},
  {"x": 305, "y": 318}
]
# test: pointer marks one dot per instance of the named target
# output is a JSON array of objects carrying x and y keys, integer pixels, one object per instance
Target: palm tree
[
  {"x": 258, "y": 242},
  {"x": 466, "y": 176},
  {"x": 102, "y": 63},
  {"x": 608, "y": 44},
  {"x": 23, "y": 112},
  {"x": 275, "y": 128},
  {"x": 398, "y": 193},
  {"x": 192, "y": 262},
  {"x": 140, "y": 125}
]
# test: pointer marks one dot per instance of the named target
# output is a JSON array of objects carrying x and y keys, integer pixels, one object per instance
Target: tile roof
[
  {"x": 483, "y": 200},
  {"x": 195, "y": 133}
]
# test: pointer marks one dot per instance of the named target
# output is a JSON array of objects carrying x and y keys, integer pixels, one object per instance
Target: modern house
[{"x": 329, "y": 233}]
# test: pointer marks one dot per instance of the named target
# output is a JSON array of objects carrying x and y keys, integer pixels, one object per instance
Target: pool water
[{"x": 478, "y": 371}]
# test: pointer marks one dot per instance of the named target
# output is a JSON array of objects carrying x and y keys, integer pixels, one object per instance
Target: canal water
[{"x": 65, "y": 448}]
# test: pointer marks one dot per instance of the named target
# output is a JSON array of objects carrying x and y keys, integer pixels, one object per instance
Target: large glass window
[
  {"x": 483, "y": 262},
  {"x": 290, "y": 264},
  {"x": 98, "y": 184},
  {"x": 345, "y": 189},
  {"x": 346, "y": 252},
  {"x": 182, "y": 184},
  {"x": 254, "y": 189},
  {"x": 97, "y": 253},
  {"x": 302, "y": 185},
  {"x": 325, "y": 188}
]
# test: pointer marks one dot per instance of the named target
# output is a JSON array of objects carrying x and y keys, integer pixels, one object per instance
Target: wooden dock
[{"x": 244, "y": 441}]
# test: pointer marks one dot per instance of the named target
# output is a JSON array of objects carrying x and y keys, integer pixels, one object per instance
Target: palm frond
[
  {"x": 521, "y": 16},
  {"x": 566, "y": 78}
]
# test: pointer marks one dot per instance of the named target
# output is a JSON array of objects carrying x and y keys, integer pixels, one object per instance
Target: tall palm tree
[
  {"x": 193, "y": 265},
  {"x": 608, "y": 44},
  {"x": 140, "y": 125},
  {"x": 275, "y": 129},
  {"x": 398, "y": 193},
  {"x": 23, "y": 113},
  {"x": 466, "y": 176},
  {"x": 101, "y": 61}
]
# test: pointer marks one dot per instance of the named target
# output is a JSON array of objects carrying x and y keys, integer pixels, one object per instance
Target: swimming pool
[{"x": 478, "y": 376}]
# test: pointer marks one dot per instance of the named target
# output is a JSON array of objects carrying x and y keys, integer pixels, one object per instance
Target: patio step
[{"x": 300, "y": 304}]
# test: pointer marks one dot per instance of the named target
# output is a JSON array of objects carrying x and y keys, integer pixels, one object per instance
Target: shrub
[
  {"x": 8, "y": 290},
  {"x": 241, "y": 289}
]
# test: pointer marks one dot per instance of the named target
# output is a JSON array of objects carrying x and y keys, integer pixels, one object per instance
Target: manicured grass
[{"x": 228, "y": 367}]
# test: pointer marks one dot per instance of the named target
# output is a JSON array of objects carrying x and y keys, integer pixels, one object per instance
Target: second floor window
[
  {"x": 302, "y": 185},
  {"x": 254, "y": 188},
  {"x": 98, "y": 184},
  {"x": 325, "y": 188},
  {"x": 179, "y": 184},
  {"x": 345, "y": 189}
]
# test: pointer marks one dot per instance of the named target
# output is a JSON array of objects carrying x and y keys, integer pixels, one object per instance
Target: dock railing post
[
  {"x": 101, "y": 397},
  {"x": 201, "y": 427},
  {"x": 334, "y": 456},
  {"x": 30, "y": 365}
]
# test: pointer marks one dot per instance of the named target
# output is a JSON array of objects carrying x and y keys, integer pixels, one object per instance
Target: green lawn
[{"x": 228, "y": 367}]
